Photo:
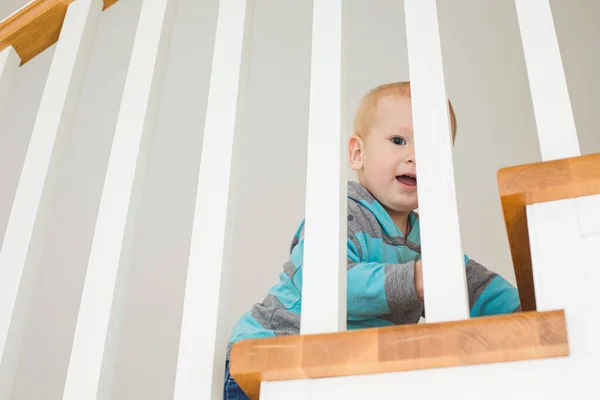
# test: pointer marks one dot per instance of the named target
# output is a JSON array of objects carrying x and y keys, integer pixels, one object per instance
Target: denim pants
[{"x": 231, "y": 390}]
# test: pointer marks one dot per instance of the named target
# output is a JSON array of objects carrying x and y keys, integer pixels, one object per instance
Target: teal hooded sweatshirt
[{"x": 380, "y": 278}]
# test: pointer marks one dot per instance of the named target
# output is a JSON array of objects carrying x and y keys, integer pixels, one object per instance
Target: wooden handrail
[
  {"x": 514, "y": 337},
  {"x": 36, "y": 27},
  {"x": 523, "y": 185}
]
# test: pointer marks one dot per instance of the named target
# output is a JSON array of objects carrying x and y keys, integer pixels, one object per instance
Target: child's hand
[{"x": 419, "y": 279}]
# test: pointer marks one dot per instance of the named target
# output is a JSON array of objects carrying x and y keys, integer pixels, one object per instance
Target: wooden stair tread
[
  {"x": 537, "y": 183},
  {"x": 520, "y": 336},
  {"x": 36, "y": 27}
]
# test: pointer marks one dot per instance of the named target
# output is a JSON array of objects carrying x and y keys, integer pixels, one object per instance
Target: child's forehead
[
  {"x": 393, "y": 109},
  {"x": 393, "y": 104},
  {"x": 379, "y": 104}
]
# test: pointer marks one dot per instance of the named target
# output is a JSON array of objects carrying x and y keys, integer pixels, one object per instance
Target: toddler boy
[{"x": 384, "y": 278}]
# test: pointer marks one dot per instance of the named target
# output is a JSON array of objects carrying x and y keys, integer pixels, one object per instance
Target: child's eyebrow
[{"x": 404, "y": 129}]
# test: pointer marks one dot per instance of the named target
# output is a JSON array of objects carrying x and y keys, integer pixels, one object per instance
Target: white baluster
[
  {"x": 201, "y": 361},
  {"x": 324, "y": 269},
  {"x": 26, "y": 228},
  {"x": 551, "y": 104},
  {"x": 443, "y": 263},
  {"x": 93, "y": 355},
  {"x": 9, "y": 64}
]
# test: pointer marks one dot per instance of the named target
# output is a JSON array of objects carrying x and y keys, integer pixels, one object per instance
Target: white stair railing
[
  {"x": 203, "y": 339},
  {"x": 444, "y": 279},
  {"x": 26, "y": 229},
  {"x": 201, "y": 361},
  {"x": 94, "y": 351}
]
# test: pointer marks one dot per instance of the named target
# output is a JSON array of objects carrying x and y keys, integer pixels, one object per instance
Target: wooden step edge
[
  {"x": 514, "y": 337},
  {"x": 35, "y": 27},
  {"x": 528, "y": 184}
]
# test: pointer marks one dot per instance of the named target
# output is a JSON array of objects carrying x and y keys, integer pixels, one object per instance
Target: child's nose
[{"x": 410, "y": 155}]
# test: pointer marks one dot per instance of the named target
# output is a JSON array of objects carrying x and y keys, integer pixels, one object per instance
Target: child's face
[{"x": 385, "y": 158}]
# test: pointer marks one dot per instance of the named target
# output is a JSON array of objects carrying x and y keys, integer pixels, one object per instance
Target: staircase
[{"x": 550, "y": 208}]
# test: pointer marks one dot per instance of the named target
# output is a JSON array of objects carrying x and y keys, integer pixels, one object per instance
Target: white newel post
[
  {"x": 26, "y": 229},
  {"x": 325, "y": 232},
  {"x": 93, "y": 354},
  {"x": 202, "y": 348},
  {"x": 9, "y": 64},
  {"x": 444, "y": 277},
  {"x": 551, "y": 104}
]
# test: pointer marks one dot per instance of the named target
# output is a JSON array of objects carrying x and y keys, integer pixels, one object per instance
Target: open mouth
[{"x": 409, "y": 180}]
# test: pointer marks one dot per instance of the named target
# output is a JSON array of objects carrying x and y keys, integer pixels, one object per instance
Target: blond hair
[{"x": 363, "y": 118}]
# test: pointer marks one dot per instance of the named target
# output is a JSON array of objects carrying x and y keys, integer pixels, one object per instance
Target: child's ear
[{"x": 355, "y": 147}]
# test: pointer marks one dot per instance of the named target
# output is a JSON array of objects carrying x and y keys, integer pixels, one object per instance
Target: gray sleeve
[
  {"x": 401, "y": 293},
  {"x": 478, "y": 278}
]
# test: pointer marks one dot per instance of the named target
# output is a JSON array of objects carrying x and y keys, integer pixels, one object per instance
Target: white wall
[{"x": 486, "y": 80}]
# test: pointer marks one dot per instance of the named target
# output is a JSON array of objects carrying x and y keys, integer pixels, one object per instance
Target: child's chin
[
  {"x": 408, "y": 204},
  {"x": 403, "y": 206}
]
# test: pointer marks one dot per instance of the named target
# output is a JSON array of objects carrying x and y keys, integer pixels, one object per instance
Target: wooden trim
[
  {"x": 520, "y": 336},
  {"x": 537, "y": 183},
  {"x": 35, "y": 27}
]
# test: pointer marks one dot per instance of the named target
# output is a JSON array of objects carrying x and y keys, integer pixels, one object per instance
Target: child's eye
[{"x": 398, "y": 141}]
